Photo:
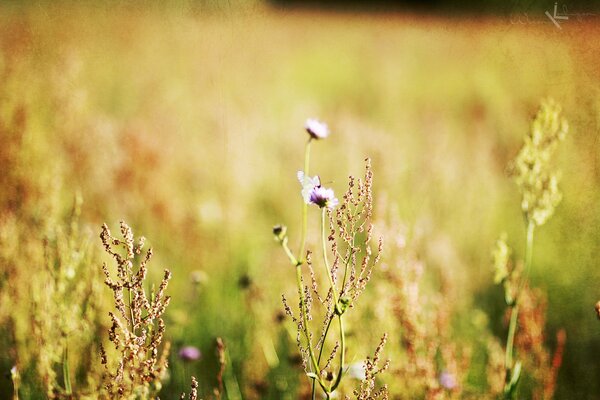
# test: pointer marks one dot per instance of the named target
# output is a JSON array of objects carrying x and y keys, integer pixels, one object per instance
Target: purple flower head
[
  {"x": 314, "y": 193},
  {"x": 448, "y": 380},
  {"x": 189, "y": 353},
  {"x": 316, "y": 129},
  {"x": 323, "y": 197}
]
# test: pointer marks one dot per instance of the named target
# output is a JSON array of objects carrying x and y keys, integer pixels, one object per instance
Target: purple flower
[
  {"x": 323, "y": 197},
  {"x": 314, "y": 193},
  {"x": 189, "y": 353},
  {"x": 448, "y": 380},
  {"x": 316, "y": 129}
]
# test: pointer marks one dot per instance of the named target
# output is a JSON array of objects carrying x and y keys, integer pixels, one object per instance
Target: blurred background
[{"x": 185, "y": 119}]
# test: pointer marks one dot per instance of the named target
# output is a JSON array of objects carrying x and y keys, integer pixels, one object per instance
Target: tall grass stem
[{"x": 301, "y": 255}]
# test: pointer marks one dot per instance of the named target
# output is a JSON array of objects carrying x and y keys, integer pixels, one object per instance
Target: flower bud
[{"x": 279, "y": 232}]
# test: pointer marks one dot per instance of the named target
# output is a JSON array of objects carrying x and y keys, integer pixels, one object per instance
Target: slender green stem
[
  {"x": 324, "y": 247},
  {"x": 512, "y": 328},
  {"x": 66, "y": 373},
  {"x": 529, "y": 250},
  {"x": 342, "y": 354},
  {"x": 301, "y": 255},
  {"x": 321, "y": 350},
  {"x": 289, "y": 253},
  {"x": 347, "y": 263},
  {"x": 311, "y": 353},
  {"x": 508, "y": 356},
  {"x": 335, "y": 301}
]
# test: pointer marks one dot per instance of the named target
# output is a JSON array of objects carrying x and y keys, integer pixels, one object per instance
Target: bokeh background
[{"x": 186, "y": 120}]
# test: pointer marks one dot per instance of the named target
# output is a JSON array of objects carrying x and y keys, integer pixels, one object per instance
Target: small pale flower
[
  {"x": 316, "y": 129},
  {"x": 198, "y": 277},
  {"x": 448, "y": 380},
  {"x": 189, "y": 353},
  {"x": 308, "y": 185},
  {"x": 357, "y": 371}
]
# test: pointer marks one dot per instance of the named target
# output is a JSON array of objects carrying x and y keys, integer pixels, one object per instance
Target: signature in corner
[{"x": 556, "y": 17}]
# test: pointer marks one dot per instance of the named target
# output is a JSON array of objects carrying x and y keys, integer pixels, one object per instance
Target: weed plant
[
  {"x": 538, "y": 184},
  {"x": 346, "y": 233}
]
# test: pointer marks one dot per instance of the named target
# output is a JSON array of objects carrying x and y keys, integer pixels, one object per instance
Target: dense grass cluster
[{"x": 187, "y": 124}]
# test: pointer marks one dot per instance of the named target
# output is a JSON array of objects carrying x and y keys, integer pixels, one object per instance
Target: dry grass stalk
[{"x": 137, "y": 328}]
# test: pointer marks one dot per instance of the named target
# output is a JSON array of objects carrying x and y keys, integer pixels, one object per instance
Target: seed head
[{"x": 532, "y": 170}]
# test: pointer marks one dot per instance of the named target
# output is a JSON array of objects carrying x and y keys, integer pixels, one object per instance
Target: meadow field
[{"x": 188, "y": 123}]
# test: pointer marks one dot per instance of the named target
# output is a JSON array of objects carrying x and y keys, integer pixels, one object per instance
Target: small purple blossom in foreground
[
  {"x": 323, "y": 197},
  {"x": 189, "y": 353},
  {"x": 316, "y": 129},
  {"x": 447, "y": 380},
  {"x": 314, "y": 193}
]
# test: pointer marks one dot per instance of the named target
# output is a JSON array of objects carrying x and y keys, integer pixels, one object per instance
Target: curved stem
[
  {"x": 335, "y": 302},
  {"x": 289, "y": 253}
]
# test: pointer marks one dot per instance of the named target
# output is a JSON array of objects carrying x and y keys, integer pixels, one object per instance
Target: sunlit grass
[{"x": 188, "y": 124}]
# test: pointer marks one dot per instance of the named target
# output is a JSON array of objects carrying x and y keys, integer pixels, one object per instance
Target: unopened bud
[{"x": 279, "y": 232}]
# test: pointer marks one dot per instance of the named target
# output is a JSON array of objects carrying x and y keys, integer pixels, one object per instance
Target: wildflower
[
  {"x": 323, "y": 197},
  {"x": 314, "y": 193},
  {"x": 316, "y": 129},
  {"x": 447, "y": 380},
  {"x": 189, "y": 353}
]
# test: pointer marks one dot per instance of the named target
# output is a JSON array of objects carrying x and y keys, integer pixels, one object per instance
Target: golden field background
[{"x": 188, "y": 124}]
